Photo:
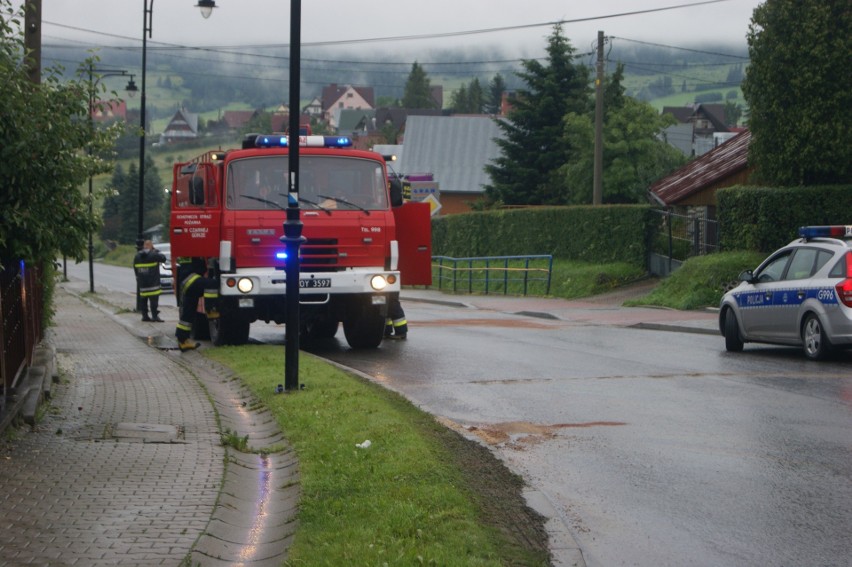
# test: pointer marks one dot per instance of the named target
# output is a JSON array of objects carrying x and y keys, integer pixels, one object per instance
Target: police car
[{"x": 801, "y": 295}]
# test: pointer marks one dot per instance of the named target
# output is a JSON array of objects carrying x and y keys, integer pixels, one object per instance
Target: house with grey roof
[
  {"x": 698, "y": 127},
  {"x": 182, "y": 127},
  {"x": 455, "y": 150}
]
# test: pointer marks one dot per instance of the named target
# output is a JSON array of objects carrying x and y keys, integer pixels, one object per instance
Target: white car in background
[{"x": 166, "y": 278}]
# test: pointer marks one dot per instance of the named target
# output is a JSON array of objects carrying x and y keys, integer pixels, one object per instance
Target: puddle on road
[{"x": 520, "y": 434}]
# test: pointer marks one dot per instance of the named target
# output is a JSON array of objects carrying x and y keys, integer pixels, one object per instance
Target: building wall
[{"x": 457, "y": 202}]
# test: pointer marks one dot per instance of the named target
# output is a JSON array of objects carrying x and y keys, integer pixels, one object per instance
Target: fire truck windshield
[{"x": 325, "y": 182}]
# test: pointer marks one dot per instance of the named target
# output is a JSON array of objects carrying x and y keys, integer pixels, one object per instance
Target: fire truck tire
[
  {"x": 200, "y": 329},
  {"x": 229, "y": 329},
  {"x": 365, "y": 330}
]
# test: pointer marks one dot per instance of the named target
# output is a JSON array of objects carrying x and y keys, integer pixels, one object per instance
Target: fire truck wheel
[
  {"x": 229, "y": 329},
  {"x": 200, "y": 329},
  {"x": 365, "y": 330}
]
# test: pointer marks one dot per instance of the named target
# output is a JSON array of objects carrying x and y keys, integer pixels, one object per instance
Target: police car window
[
  {"x": 839, "y": 269},
  {"x": 803, "y": 264},
  {"x": 823, "y": 256},
  {"x": 773, "y": 271}
]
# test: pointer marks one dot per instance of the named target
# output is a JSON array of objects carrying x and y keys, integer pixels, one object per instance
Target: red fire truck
[{"x": 229, "y": 207}]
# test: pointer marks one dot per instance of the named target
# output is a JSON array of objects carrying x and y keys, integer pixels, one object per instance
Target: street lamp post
[
  {"x": 93, "y": 83},
  {"x": 293, "y": 225},
  {"x": 147, "y": 21}
]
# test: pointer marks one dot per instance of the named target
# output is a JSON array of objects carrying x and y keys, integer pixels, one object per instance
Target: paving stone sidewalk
[{"x": 127, "y": 466}]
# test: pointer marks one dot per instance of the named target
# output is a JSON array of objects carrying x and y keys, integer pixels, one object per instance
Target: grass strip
[
  {"x": 419, "y": 494},
  {"x": 701, "y": 281}
]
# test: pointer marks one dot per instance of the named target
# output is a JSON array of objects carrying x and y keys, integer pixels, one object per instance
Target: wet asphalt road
[{"x": 656, "y": 448}]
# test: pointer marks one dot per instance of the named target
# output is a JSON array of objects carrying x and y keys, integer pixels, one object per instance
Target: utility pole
[
  {"x": 32, "y": 39},
  {"x": 597, "y": 188}
]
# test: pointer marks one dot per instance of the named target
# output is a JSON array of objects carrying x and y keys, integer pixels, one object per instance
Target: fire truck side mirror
[
  {"x": 396, "y": 192},
  {"x": 196, "y": 193}
]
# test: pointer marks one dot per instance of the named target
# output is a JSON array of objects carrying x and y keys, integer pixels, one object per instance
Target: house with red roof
[{"x": 689, "y": 194}]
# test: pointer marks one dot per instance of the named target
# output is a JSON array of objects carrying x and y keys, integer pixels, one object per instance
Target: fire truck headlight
[
  {"x": 245, "y": 285},
  {"x": 378, "y": 283}
]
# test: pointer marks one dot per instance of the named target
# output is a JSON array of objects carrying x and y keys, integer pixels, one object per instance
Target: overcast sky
[{"x": 253, "y": 22}]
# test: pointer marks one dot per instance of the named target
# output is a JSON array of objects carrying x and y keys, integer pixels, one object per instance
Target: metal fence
[
  {"x": 681, "y": 236},
  {"x": 21, "y": 304},
  {"x": 516, "y": 275}
]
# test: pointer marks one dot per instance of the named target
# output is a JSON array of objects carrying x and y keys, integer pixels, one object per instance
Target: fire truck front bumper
[{"x": 261, "y": 282}]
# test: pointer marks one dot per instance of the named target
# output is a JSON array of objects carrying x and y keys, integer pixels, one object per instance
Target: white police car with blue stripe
[{"x": 801, "y": 295}]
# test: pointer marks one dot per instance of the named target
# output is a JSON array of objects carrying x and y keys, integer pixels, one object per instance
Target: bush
[
  {"x": 766, "y": 218},
  {"x": 599, "y": 234}
]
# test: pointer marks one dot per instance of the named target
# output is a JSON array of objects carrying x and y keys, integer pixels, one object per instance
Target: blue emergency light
[
  {"x": 831, "y": 231},
  {"x": 267, "y": 141},
  {"x": 280, "y": 141},
  {"x": 337, "y": 141},
  {"x": 281, "y": 256}
]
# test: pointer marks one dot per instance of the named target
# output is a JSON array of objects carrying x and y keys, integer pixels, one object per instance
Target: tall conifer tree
[{"x": 534, "y": 148}]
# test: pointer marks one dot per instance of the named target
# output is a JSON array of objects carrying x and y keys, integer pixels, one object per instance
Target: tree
[
  {"x": 112, "y": 221},
  {"x": 121, "y": 206},
  {"x": 459, "y": 101},
  {"x": 260, "y": 122},
  {"x": 534, "y": 148},
  {"x": 733, "y": 112},
  {"x": 799, "y": 91},
  {"x": 43, "y": 156},
  {"x": 494, "y": 98},
  {"x": 418, "y": 93},
  {"x": 633, "y": 155},
  {"x": 468, "y": 99}
]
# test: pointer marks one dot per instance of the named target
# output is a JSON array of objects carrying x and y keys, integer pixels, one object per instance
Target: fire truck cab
[{"x": 228, "y": 207}]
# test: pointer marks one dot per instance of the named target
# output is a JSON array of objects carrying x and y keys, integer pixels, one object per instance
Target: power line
[
  {"x": 743, "y": 57},
  {"x": 433, "y": 35}
]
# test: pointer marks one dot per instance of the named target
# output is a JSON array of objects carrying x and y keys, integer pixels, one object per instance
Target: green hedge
[
  {"x": 601, "y": 234},
  {"x": 764, "y": 219}
]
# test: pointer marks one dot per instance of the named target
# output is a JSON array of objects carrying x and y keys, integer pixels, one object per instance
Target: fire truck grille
[{"x": 319, "y": 254}]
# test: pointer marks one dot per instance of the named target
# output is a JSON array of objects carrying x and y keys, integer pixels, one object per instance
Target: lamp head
[
  {"x": 131, "y": 88},
  {"x": 206, "y": 7}
]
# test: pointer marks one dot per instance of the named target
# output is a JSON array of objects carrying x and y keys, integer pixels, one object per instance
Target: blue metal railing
[{"x": 488, "y": 274}]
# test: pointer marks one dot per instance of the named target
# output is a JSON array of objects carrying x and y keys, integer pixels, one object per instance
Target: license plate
[
  {"x": 314, "y": 283},
  {"x": 246, "y": 302}
]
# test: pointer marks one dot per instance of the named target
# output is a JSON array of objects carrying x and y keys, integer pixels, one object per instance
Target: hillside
[{"x": 211, "y": 82}]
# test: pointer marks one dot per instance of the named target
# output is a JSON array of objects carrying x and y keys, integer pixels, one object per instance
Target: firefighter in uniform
[
  {"x": 396, "y": 325},
  {"x": 193, "y": 286},
  {"x": 146, "y": 266}
]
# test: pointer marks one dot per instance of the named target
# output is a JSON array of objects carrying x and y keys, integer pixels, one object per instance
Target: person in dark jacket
[
  {"x": 194, "y": 285},
  {"x": 146, "y": 266}
]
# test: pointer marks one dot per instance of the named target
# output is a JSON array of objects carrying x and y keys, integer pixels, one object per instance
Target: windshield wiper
[
  {"x": 308, "y": 201},
  {"x": 266, "y": 201},
  {"x": 345, "y": 202}
]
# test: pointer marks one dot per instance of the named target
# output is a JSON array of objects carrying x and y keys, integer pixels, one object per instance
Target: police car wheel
[
  {"x": 733, "y": 342},
  {"x": 814, "y": 340}
]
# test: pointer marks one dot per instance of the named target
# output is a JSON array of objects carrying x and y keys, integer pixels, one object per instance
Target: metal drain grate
[{"x": 132, "y": 433}]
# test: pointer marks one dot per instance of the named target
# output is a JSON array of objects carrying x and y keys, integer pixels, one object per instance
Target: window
[
  {"x": 840, "y": 269},
  {"x": 774, "y": 268},
  {"x": 806, "y": 262},
  {"x": 196, "y": 188},
  {"x": 327, "y": 182}
]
